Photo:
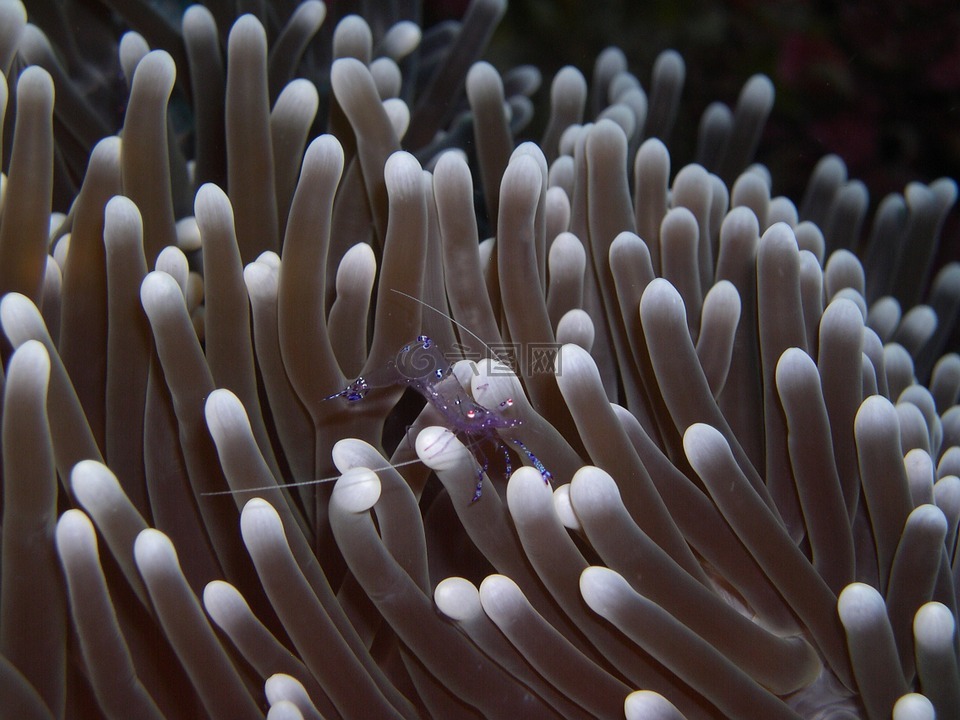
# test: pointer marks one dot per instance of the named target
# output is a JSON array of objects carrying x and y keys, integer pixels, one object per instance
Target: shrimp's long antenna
[
  {"x": 454, "y": 321},
  {"x": 302, "y": 483}
]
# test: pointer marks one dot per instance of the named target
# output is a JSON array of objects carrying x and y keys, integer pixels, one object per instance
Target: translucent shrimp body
[{"x": 423, "y": 366}]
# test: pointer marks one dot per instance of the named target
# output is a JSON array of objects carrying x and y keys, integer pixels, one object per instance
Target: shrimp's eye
[
  {"x": 471, "y": 414},
  {"x": 507, "y": 403}
]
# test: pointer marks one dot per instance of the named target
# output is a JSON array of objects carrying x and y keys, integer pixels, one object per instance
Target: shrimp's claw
[{"x": 353, "y": 392}]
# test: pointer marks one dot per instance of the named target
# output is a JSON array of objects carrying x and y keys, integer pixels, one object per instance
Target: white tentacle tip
[
  {"x": 357, "y": 490},
  {"x": 20, "y": 318},
  {"x": 159, "y": 289},
  {"x": 458, "y": 599},
  {"x": 224, "y": 413},
  {"x": 30, "y": 362},
  {"x": 500, "y": 598},
  {"x": 860, "y": 606},
  {"x": 649, "y": 705},
  {"x": 439, "y": 449},
  {"x": 247, "y": 31},
  {"x": 158, "y": 70},
  {"x": 526, "y": 490},
  {"x": 403, "y": 175},
  {"x": 564, "y": 509},
  {"x": 287, "y": 693},
  {"x": 259, "y": 517},
  {"x": 224, "y": 604},
  {"x": 152, "y": 549},
  {"x": 934, "y": 626},
  {"x": 94, "y": 484},
  {"x": 74, "y": 531},
  {"x": 325, "y": 151},
  {"x": 913, "y": 706},
  {"x": 600, "y": 587},
  {"x": 121, "y": 220}
]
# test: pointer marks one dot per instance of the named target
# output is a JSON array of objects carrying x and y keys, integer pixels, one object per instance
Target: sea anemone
[{"x": 722, "y": 475}]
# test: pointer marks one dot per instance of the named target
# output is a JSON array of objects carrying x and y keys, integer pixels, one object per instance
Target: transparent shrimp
[{"x": 422, "y": 366}]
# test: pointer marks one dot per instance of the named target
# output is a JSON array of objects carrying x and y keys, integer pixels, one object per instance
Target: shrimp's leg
[
  {"x": 535, "y": 461},
  {"x": 478, "y": 490},
  {"x": 481, "y": 471}
]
